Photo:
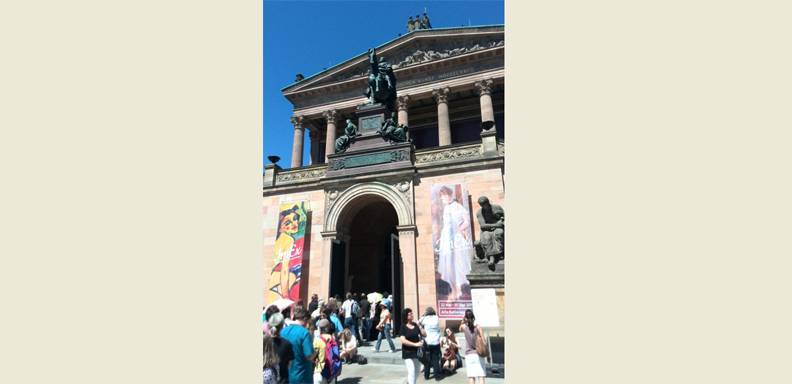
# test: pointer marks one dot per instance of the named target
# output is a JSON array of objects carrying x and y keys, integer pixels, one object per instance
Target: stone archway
[
  {"x": 345, "y": 205},
  {"x": 354, "y": 197}
]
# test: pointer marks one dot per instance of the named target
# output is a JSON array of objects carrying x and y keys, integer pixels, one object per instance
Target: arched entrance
[
  {"x": 370, "y": 238},
  {"x": 367, "y": 258}
]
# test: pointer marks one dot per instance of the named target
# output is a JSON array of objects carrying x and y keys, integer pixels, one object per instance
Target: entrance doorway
[{"x": 368, "y": 259}]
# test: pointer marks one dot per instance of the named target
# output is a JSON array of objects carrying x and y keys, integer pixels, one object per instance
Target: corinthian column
[
  {"x": 403, "y": 102},
  {"x": 485, "y": 99},
  {"x": 443, "y": 122},
  {"x": 297, "y": 147},
  {"x": 331, "y": 132}
]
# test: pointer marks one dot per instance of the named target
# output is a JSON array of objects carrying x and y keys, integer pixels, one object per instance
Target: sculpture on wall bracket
[
  {"x": 343, "y": 141},
  {"x": 381, "y": 81},
  {"x": 392, "y": 132},
  {"x": 490, "y": 246}
]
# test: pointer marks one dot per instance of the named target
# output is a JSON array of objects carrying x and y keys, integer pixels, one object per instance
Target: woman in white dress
[{"x": 454, "y": 246}]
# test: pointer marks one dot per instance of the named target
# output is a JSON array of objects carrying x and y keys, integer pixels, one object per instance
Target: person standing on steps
[
  {"x": 430, "y": 323},
  {"x": 364, "y": 317},
  {"x": 384, "y": 328},
  {"x": 410, "y": 339},
  {"x": 349, "y": 308},
  {"x": 475, "y": 371}
]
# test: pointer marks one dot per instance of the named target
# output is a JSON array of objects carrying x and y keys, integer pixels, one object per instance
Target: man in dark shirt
[
  {"x": 314, "y": 303},
  {"x": 364, "y": 314}
]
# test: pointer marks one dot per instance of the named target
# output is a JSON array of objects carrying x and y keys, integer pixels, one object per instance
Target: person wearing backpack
[
  {"x": 328, "y": 358},
  {"x": 350, "y": 308}
]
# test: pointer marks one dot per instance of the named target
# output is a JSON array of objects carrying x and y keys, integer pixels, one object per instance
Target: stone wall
[{"x": 483, "y": 182}]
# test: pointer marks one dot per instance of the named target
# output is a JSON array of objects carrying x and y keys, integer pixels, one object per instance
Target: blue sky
[{"x": 309, "y": 36}]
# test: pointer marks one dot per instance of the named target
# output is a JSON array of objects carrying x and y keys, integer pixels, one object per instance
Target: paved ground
[{"x": 396, "y": 374}]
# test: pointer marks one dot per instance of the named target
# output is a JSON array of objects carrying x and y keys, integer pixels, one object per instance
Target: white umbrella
[
  {"x": 283, "y": 303},
  {"x": 374, "y": 297}
]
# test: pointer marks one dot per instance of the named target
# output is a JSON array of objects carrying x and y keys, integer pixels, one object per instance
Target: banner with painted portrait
[
  {"x": 284, "y": 281},
  {"x": 452, "y": 240}
]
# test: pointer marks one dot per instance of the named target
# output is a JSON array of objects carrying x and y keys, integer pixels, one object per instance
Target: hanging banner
[
  {"x": 452, "y": 239},
  {"x": 284, "y": 281}
]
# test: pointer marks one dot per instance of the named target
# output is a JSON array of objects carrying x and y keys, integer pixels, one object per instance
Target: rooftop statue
[
  {"x": 489, "y": 247},
  {"x": 381, "y": 81},
  {"x": 425, "y": 21},
  {"x": 410, "y": 26}
]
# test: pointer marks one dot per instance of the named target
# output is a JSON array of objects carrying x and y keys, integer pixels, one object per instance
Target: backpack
[{"x": 332, "y": 362}]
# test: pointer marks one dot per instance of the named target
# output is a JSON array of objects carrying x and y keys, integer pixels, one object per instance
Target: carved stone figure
[
  {"x": 381, "y": 81},
  {"x": 489, "y": 247},
  {"x": 417, "y": 23},
  {"x": 391, "y": 131},
  {"x": 410, "y": 26},
  {"x": 343, "y": 141},
  {"x": 425, "y": 21}
]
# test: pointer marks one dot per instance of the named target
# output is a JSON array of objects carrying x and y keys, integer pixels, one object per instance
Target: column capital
[
  {"x": 407, "y": 229},
  {"x": 403, "y": 101},
  {"x": 485, "y": 86},
  {"x": 441, "y": 94},
  {"x": 297, "y": 121},
  {"x": 330, "y": 115},
  {"x": 330, "y": 235}
]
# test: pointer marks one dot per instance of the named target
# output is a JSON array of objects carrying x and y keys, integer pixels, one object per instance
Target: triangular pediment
[{"x": 412, "y": 49}]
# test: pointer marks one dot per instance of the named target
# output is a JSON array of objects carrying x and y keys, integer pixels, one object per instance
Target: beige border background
[
  {"x": 654, "y": 167},
  {"x": 648, "y": 151}
]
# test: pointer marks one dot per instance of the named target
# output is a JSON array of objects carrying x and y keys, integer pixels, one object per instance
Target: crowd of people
[{"x": 311, "y": 344}]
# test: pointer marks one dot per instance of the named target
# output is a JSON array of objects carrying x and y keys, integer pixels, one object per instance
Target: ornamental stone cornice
[
  {"x": 415, "y": 92},
  {"x": 300, "y": 175},
  {"x": 479, "y": 38},
  {"x": 465, "y": 152}
]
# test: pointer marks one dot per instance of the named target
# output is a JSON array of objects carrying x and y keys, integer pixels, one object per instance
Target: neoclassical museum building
[{"x": 397, "y": 217}]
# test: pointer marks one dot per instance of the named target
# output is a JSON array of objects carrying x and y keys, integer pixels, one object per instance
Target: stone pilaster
[
  {"x": 443, "y": 120},
  {"x": 409, "y": 265},
  {"x": 297, "y": 146},
  {"x": 330, "y": 116}
]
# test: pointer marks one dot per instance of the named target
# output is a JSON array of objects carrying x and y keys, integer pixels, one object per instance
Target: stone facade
[{"x": 450, "y": 80}]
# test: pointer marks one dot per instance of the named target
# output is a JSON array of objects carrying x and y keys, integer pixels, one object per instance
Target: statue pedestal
[
  {"x": 370, "y": 117},
  {"x": 370, "y": 152},
  {"x": 489, "y": 143},
  {"x": 483, "y": 279}
]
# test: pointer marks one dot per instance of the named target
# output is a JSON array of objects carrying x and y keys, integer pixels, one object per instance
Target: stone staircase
[{"x": 385, "y": 357}]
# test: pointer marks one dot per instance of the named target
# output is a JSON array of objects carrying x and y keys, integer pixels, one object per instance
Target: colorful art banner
[
  {"x": 284, "y": 281},
  {"x": 452, "y": 239}
]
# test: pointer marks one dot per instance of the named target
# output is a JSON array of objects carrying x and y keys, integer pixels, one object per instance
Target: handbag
[
  {"x": 481, "y": 345},
  {"x": 420, "y": 353}
]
